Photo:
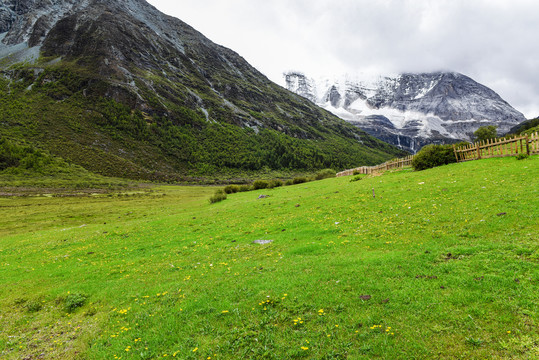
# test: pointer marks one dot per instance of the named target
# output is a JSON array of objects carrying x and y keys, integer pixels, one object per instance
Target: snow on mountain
[{"x": 409, "y": 110}]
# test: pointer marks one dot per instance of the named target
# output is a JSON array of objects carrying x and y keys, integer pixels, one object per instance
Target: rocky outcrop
[{"x": 410, "y": 110}]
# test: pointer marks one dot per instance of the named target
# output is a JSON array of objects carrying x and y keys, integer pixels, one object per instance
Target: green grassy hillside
[
  {"x": 442, "y": 263},
  {"x": 25, "y": 169},
  {"x": 527, "y": 127}
]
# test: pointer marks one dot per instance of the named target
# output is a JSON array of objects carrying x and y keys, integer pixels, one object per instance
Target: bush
[
  {"x": 356, "y": 172},
  {"x": 219, "y": 195},
  {"x": 33, "y": 306},
  {"x": 260, "y": 184},
  {"x": 289, "y": 182},
  {"x": 74, "y": 301},
  {"x": 485, "y": 133},
  {"x": 433, "y": 155},
  {"x": 299, "y": 180},
  {"x": 355, "y": 178},
  {"x": 274, "y": 183},
  {"x": 325, "y": 174},
  {"x": 244, "y": 188},
  {"x": 522, "y": 156},
  {"x": 231, "y": 189}
]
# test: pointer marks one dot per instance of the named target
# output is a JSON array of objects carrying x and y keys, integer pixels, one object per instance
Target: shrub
[
  {"x": 260, "y": 184},
  {"x": 74, "y": 301},
  {"x": 288, "y": 182},
  {"x": 231, "y": 189},
  {"x": 244, "y": 188},
  {"x": 299, "y": 180},
  {"x": 356, "y": 172},
  {"x": 91, "y": 311},
  {"x": 522, "y": 156},
  {"x": 355, "y": 178},
  {"x": 274, "y": 183},
  {"x": 325, "y": 174},
  {"x": 219, "y": 195},
  {"x": 433, "y": 155},
  {"x": 485, "y": 133},
  {"x": 33, "y": 306}
]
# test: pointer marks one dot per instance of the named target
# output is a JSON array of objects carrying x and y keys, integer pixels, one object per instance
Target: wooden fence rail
[
  {"x": 522, "y": 144},
  {"x": 388, "y": 165}
]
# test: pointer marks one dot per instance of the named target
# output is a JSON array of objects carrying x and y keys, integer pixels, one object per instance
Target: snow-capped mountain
[{"x": 410, "y": 110}]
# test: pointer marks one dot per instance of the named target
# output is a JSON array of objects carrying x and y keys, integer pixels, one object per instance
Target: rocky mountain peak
[
  {"x": 410, "y": 110},
  {"x": 117, "y": 39}
]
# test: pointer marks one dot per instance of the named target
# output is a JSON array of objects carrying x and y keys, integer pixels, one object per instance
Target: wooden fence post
[
  {"x": 455, "y": 151},
  {"x": 527, "y": 146},
  {"x": 478, "y": 151}
]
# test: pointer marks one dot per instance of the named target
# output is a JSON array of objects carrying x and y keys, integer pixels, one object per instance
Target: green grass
[{"x": 442, "y": 263}]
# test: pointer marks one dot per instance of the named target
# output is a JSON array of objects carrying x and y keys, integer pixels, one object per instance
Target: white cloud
[{"x": 492, "y": 41}]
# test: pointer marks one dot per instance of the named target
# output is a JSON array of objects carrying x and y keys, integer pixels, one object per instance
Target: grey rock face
[
  {"x": 7, "y": 16},
  {"x": 411, "y": 110},
  {"x": 301, "y": 85}
]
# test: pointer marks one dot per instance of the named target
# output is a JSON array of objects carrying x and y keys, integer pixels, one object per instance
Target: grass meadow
[{"x": 439, "y": 264}]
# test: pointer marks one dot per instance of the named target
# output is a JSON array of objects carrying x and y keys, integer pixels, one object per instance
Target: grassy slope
[
  {"x": 25, "y": 169},
  {"x": 527, "y": 127},
  {"x": 448, "y": 256}
]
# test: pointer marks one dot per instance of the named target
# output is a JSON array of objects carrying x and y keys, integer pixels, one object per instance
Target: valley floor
[{"x": 442, "y": 264}]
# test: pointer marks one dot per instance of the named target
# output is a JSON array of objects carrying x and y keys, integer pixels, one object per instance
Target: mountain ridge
[
  {"x": 155, "y": 97},
  {"x": 410, "y": 110}
]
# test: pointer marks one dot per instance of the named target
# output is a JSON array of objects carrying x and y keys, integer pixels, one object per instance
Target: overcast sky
[{"x": 495, "y": 42}]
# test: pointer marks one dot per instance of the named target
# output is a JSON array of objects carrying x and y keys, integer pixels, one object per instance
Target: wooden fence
[
  {"x": 388, "y": 165},
  {"x": 522, "y": 144}
]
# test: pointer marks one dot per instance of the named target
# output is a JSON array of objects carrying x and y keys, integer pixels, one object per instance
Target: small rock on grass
[{"x": 262, "y": 242}]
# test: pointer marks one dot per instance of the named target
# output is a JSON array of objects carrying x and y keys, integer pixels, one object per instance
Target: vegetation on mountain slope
[
  {"x": 65, "y": 111},
  {"x": 528, "y": 127},
  {"x": 25, "y": 169}
]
